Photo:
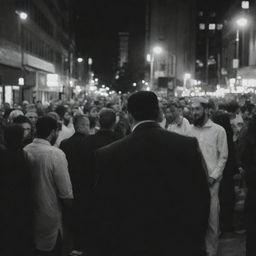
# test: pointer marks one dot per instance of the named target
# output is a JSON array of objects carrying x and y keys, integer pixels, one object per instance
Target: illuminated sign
[{"x": 52, "y": 80}]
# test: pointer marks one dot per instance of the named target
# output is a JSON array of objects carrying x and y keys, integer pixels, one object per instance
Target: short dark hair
[
  {"x": 61, "y": 110},
  {"x": 107, "y": 118},
  {"x": 21, "y": 120},
  {"x": 45, "y": 125},
  {"x": 143, "y": 105}
]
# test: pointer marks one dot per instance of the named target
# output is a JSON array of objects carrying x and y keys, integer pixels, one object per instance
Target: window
[
  {"x": 219, "y": 26},
  {"x": 212, "y": 26},
  {"x": 245, "y": 4},
  {"x": 202, "y": 26}
]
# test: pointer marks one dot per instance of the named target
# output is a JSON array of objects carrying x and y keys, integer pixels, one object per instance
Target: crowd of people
[{"x": 134, "y": 175}]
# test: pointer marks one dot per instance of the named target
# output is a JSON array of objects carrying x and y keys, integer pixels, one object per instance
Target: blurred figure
[
  {"x": 52, "y": 189},
  {"x": 176, "y": 122},
  {"x": 15, "y": 197},
  {"x": 249, "y": 165},
  {"x": 227, "y": 184},
  {"x": 27, "y": 128},
  {"x": 71, "y": 148},
  {"x": 66, "y": 131},
  {"x": 105, "y": 136},
  {"x": 13, "y": 114},
  {"x": 32, "y": 116}
]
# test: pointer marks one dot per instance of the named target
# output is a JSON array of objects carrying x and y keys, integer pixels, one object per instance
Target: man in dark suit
[
  {"x": 152, "y": 196},
  {"x": 71, "y": 148}
]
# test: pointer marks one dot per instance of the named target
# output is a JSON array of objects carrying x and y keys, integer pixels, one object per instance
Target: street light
[
  {"x": 157, "y": 50},
  {"x": 241, "y": 23},
  {"x": 80, "y": 60},
  {"x": 22, "y": 17}
]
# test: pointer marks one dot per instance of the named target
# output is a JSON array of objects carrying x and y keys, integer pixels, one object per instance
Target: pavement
[{"x": 232, "y": 245}]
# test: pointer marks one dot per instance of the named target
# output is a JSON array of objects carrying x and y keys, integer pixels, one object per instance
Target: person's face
[
  {"x": 67, "y": 117},
  {"x": 27, "y": 130},
  {"x": 32, "y": 117},
  {"x": 198, "y": 113},
  {"x": 84, "y": 126},
  {"x": 171, "y": 113},
  {"x": 94, "y": 112}
]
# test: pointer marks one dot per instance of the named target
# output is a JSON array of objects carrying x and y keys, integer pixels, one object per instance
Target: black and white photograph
[{"x": 127, "y": 128}]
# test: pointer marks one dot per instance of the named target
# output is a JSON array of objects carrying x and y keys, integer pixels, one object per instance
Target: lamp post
[
  {"x": 22, "y": 17},
  {"x": 241, "y": 23},
  {"x": 155, "y": 51}
]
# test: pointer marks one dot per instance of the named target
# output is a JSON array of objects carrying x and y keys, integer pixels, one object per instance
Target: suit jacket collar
[{"x": 146, "y": 125}]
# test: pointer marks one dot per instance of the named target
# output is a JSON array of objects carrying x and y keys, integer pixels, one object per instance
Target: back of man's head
[
  {"x": 81, "y": 124},
  {"x": 107, "y": 118},
  {"x": 61, "y": 110},
  {"x": 143, "y": 105},
  {"x": 45, "y": 125}
]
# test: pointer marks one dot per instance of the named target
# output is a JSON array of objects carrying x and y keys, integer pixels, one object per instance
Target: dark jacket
[
  {"x": 152, "y": 196},
  {"x": 87, "y": 150},
  {"x": 16, "y": 204},
  {"x": 71, "y": 148}
]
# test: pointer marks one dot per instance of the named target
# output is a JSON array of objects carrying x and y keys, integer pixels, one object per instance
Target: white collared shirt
[
  {"x": 142, "y": 122},
  {"x": 182, "y": 128},
  {"x": 51, "y": 181},
  {"x": 212, "y": 140}
]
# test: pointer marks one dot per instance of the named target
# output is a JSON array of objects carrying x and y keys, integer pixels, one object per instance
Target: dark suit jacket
[
  {"x": 71, "y": 148},
  {"x": 152, "y": 196}
]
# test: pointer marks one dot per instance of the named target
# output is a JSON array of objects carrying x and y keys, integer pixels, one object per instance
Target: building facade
[
  {"x": 36, "y": 53},
  {"x": 170, "y": 25},
  {"x": 239, "y": 46}
]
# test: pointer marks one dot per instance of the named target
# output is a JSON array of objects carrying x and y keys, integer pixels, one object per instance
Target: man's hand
[{"x": 211, "y": 181}]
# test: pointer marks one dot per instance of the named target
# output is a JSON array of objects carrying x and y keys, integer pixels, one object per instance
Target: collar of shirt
[
  {"x": 179, "y": 122},
  {"x": 41, "y": 141},
  {"x": 142, "y": 122}
]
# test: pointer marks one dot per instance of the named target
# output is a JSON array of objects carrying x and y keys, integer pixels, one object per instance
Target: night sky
[
  {"x": 99, "y": 21},
  {"x": 97, "y": 27}
]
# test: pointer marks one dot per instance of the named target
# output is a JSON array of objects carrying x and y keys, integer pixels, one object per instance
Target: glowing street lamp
[
  {"x": 22, "y": 18},
  {"x": 80, "y": 60},
  {"x": 241, "y": 23}
]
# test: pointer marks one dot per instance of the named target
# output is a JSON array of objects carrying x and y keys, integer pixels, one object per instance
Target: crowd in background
[{"x": 18, "y": 128}]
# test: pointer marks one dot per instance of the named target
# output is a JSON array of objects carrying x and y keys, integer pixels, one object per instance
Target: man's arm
[
  {"x": 222, "y": 149},
  {"x": 61, "y": 177}
]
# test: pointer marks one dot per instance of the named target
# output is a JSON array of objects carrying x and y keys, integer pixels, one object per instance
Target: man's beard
[{"x": 200, "y": 120}]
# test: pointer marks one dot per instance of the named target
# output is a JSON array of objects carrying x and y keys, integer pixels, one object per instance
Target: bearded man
[{"x": 213, "y": 144}]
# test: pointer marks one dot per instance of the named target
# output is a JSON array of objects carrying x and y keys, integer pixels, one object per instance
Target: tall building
[
  {"x": 239, "y": 45},
  {"x": 208, "y": 46},
  {"x": 170, "y": 25},
  {"x": 36, "y": 52}
]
